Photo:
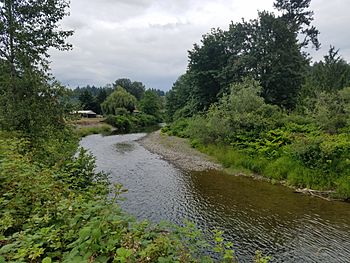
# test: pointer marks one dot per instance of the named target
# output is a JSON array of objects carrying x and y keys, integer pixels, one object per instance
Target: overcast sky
[{"x": 147, "y": 40}]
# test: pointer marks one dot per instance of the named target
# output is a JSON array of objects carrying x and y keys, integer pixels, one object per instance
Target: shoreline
[{"x": 179, "y": 152}]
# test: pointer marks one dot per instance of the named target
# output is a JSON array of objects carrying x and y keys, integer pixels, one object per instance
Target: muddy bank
[{"x": 179, "y": 152}]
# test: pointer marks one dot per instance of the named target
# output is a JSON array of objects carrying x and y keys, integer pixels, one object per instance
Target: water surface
[{"x": 254, "y": 215}]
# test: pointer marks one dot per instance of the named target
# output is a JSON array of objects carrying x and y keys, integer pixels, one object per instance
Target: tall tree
[
  {"x": 276, "y": 60},
  {"x": 205, "y": 64},
  {"x": 330, "y": 75},
  {"x": 299, "y": 18},
  {"x": 151, "y": 103},
  {"x": 28, "y": 29},
  {"x": 120, "y": 98},
  {"x": 135, "y": 88},
  {"x": 178, "y": 97},
  {"x": 89, "y": 102}
]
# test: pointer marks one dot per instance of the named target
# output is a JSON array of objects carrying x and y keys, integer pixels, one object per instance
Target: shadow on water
[
  {"x": 124, "y": 147},
  {"x": 253, "y": 214},
  {"x": 146, "y": 129}
]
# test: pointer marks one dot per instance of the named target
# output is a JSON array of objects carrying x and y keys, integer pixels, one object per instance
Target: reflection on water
[
  {"x": 254, "y": 215},
  {"x": 124, "y": 147}
]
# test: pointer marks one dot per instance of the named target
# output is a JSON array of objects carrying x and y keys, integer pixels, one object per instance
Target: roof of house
[{"x": 86, "y": 112}]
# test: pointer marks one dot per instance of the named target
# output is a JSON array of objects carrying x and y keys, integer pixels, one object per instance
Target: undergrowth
[
  {"x": 287, "y": 146},
  {"x": 61, "y": 211}
]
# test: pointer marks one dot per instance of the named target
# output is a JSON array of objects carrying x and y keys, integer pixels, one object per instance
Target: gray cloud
[{"x": 147, "y": 40}]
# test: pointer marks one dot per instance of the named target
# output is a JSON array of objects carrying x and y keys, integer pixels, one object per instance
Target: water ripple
[{"x": 254, "y": 215}]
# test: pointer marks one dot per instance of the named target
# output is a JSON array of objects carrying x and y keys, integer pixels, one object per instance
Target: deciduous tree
[
  {"x": 28, "y": 29},
  {"x": 120, "y": 98}
]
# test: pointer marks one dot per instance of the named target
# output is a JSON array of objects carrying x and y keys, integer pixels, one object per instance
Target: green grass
[
  {"x": 103, "y": 129},
  {"x": 281, "y": 169}
]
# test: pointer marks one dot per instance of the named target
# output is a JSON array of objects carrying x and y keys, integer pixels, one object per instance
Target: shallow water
[{"x": 254, "y": 215}]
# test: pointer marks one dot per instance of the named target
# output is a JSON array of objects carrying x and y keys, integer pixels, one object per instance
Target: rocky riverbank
[{"x": 178, "y": 151}]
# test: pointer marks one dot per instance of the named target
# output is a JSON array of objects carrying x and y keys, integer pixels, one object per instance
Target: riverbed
[{"x": 254, "y": 215}]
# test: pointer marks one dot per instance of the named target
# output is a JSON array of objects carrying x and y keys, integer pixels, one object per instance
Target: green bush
[
  {"x": 343, "y": 187},
  {"x": 328, "y": 153},
  {"x": 131, "y": 122},
  {"x": 177, "y": 128},
  {"x": 122, "y": 123}
]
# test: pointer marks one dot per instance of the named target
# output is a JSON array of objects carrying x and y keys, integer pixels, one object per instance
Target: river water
[{"x": 254, "y": 215}]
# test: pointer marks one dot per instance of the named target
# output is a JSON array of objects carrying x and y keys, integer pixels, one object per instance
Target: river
[{"x": 254, "y": 215}]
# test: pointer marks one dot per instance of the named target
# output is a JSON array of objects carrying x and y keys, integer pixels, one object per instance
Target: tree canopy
[
  {"x": 28, "y": 29},
  {"x": 268, "y": 49},
  {"x": 120, "y": 98},
  {"x": 135, "y": 88},
  {"x": 151, "y": 103}
]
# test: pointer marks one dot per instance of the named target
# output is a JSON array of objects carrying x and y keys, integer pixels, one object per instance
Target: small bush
[
  {"x": 131, "y": 122},
  {"x": 178, "y": 128},
  {"x": 122, "y": 123}
]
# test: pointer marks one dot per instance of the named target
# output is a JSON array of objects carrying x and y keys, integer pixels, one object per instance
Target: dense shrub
[
  {"x": 131, "y": 122},
  {"x": 177, "y": 128}
]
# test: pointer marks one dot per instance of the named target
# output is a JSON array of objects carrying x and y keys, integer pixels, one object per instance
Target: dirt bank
[{"x": 178, "y": 151}]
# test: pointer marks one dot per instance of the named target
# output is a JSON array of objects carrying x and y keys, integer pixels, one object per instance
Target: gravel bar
[{"x": 178, "y": 152}]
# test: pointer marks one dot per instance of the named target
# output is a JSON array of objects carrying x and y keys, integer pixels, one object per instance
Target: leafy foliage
[
  {"x": 63, "y": 213},
  {"x": 267, "y": 49},
  {"x": 125, "y": 123},
  {"x": 120, "y": 98},
  {"x": 30, "y": 100},
  {"x": 151, "y": 103},
  {"x": 135, "y": 88},
  {"x": 242, "y": 131}
]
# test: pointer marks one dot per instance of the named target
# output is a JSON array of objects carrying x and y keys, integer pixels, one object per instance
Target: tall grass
[{"x": 281, "y": 169}]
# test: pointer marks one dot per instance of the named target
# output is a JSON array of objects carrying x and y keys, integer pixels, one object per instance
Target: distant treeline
[{"x": 91, "y": 97}]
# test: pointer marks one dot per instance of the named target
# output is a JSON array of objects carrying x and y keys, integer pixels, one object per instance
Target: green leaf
[{"x": 47, "y": 260}]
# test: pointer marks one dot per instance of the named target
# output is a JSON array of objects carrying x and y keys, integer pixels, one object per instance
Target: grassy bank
[
  {"x": 294, "y": 164},
  {"x": 103, "y": 129},
  {"x": 309, "y": 148}
]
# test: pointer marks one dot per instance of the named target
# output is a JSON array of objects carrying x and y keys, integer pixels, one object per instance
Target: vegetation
[
  {"x": 251, "y": 99},
  {"x": 126, "y": 122},
  {"x": 126, "y": 104},
  {"x": 103, "y": 129},
  {"x": 310, "y": 150},
  {"x": 63, "y": 213},
  {"x": 91, "y": 97},
  {"x": 53, "y": 206},
  {"x": 119, "y": 99}
]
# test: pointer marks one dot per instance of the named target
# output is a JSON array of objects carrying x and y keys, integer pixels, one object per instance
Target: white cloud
[{"x": 147, "y": 40}]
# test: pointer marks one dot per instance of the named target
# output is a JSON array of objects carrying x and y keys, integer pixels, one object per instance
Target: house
[{"x": 87, "y": 113}]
